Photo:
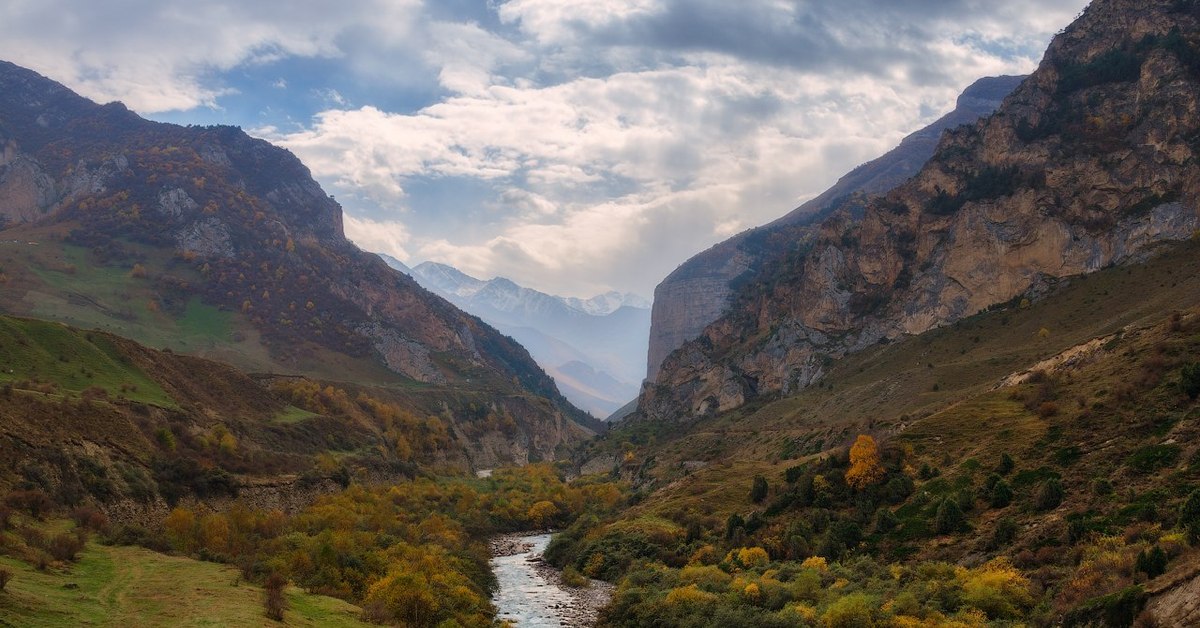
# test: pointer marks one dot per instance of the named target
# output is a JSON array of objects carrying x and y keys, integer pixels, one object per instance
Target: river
[{"x": 530, "y": 593}]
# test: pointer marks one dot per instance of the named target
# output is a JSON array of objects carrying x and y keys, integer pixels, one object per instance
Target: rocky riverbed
[{"x": 531, "y": 592}]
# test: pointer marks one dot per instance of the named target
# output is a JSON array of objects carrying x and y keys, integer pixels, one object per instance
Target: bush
[
  {"x": 572, "y": 578},
  {"x": 274, "y": 601},
  {"x": 1006, "y": 532},
  {"x": 90, "y": 518},
  {"x": 1189, "y": 380},
  {"x": 949, "y": 517},
  {"x": 1153, "y": 563},
  {"x": 1006, "y": 465},
  {"x": 1049, "y": 495},
  {"x": 5, "y": 576},
  {"x": 1189, "y": 515},
  {"x": 66, "y": 546},
  {"x": 1001, "y": 494},
  {"x": 758, "y": 489}
]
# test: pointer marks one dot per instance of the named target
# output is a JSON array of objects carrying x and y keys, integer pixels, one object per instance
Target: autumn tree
[
  {"x": 865, "y": 469},
  {"x": 274, "y": 602}
]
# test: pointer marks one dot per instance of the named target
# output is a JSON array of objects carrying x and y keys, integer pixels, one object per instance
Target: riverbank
[{"x": 531, "y": 591}]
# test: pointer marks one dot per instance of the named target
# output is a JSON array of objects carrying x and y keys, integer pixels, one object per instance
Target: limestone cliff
[
  {"x": 698, "y": 292},
  {"x": 1090, "y": 162}
]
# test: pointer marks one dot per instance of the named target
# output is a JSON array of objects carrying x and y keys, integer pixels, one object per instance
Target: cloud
[
  {"x": 378, "y": 236},
  {"x": 165, "y": 55},
  {"x": 574, "y": 146}
]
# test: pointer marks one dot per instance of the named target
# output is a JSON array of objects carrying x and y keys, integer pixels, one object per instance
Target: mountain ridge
[
  {"x": 1045, "y": 187},
  {"x": 607, "y": 332},
  {"x": 699, "y": 290},
  {"x": 150, "y": 229}
]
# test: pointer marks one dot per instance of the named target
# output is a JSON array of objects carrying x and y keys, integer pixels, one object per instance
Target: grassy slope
[
  {"x": 45, "y": 278},
  {"x": 127, "y": 586},
  {"x": 890, "y": 391}
]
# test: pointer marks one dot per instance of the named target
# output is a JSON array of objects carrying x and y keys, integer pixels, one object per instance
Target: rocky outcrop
[
  {"x": 699, "y": 291},
  {"x": 1090, "y": 162}
]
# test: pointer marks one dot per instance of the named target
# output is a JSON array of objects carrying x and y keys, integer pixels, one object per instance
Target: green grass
[
  {"x": 129, "y": 586},
  {"x": 292, "y": 414},
  {"x": 73, "y": 359}
]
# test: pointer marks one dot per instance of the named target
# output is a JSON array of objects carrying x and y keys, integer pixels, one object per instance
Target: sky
[{"x": 573, "y": 146}]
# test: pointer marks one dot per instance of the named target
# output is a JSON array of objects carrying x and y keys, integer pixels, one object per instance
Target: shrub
[
  {"x": 1001, "y": 494},
  {"x": 89, "y": 518},
  {"x": 572, "y": 578},
  {"x": 66, "y": 546},
  {"x": 5, "y": 576},
  {"x": 949, "y": 517},
  {"x": 1006, "y": 464},
  {"x": 1189, "y": 380},
  {"x": 1006, "y": 532},
  {"x": 35, "y": 502},
  {"x": 274, "y": 602},
  {"x": 1153, "y": 563},
  {"x": 852, "y": 611},
  {"x": 1189, "y": 515},
  {"x": 886, "y": 521},
  {"x": 758, "y": 489},
  {"x": 1049, "y": 495}
]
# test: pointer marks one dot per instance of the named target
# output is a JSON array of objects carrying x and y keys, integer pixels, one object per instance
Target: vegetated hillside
[
  {"x": 1032, "y": 463},
  {"x": 700, "y": 290},
  {"x": 86, "y": 416},
  {"x": 606, "y": 335},
  {"x": 1090, "y": 162},
  {"x": 205, "y": 240}
]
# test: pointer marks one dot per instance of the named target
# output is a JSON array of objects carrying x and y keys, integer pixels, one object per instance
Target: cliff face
[
  {"x": 210, "y": 214},
  {"x": 699, "y": 291},
  {"x": 1090, "y": 162}
]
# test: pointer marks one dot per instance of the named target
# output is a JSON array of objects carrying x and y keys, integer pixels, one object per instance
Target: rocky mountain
[
  {"x": 205, "y": 240},
  {"x": 699, "y": 291},
  {"x": 1090, "y": 162},
  {"x": 591, "y": 347}
]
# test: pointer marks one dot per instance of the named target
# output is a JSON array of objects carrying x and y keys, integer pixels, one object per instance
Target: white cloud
[
  {"x": 573, "y": 146},
  {"x": 163, "y": 55},
  {"x": 378, "y": 236}
]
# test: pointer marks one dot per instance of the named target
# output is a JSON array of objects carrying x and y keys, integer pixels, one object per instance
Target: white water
[{"x": 525, "y": 597}]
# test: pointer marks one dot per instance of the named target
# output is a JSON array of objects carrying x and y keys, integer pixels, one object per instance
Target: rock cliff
[
  {"x": 698, "y": 292},
  {"x": 1090, "y": 162}
]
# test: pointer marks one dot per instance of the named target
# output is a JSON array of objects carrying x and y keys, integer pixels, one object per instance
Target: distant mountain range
[{"x": 593, "y": 348}]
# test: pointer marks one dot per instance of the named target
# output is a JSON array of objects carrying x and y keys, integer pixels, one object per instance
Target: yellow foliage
[
  {"x": 865, "y": 469},
  {"x": 542, "y": 513},
  {"x": 817, "y": 563},
  {"x": 752, "y": 592},
  {"x": 708, "y": 577},
  {"x": 997, "y": 589},
  {"x": 706, "y": 555},
  {"x": 751, "y": 556},
  {"x": 800, "y": 613},
  {"x": 690, "y": 595}
]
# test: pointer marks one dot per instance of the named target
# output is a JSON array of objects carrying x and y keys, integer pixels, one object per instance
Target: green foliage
[
  {"x": 949, "y": 517},
  {"x": 1049, "y": 495},
  {"x": 1189, "y": 379},
  {"x": 1114, "y": 66},
  {"x": 1153, "y": 563},
  {"x": 1115, "y": 609},
  {"x": 758, "y": 489},
  {"x": 1153, "y": 457},
  {"x": 1006, "y": 464},
  {"x": 1001, "y": 494},
  {"x": 1189, "y": 515}
]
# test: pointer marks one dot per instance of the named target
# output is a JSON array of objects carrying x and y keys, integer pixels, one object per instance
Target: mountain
[
  {"x": 591, "y": 347},
  {"x": 699, "y": 291},
  {"x": 1090, "y": 162},
  {"x": 207, "y": 241}
]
